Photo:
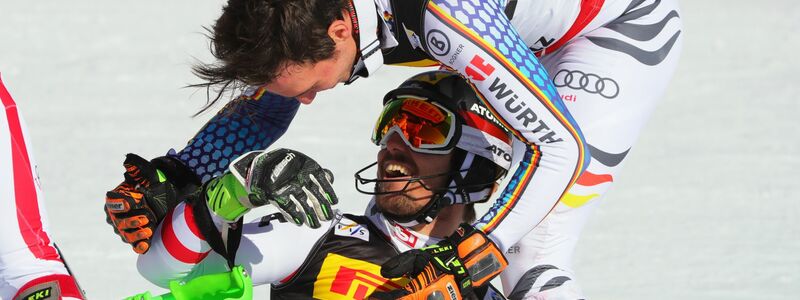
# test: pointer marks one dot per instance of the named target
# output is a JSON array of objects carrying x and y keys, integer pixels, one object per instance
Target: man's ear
[{"x": 341, "y": 30}]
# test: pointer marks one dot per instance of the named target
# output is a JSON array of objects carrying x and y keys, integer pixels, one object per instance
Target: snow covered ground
[{"x": 706, "y": 209}]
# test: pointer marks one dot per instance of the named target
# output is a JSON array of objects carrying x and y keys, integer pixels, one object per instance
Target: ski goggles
[{"x": 424, "y": 126}]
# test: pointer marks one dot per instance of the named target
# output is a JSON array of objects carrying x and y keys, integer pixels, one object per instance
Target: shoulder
[{"x": 352, "y": 226}]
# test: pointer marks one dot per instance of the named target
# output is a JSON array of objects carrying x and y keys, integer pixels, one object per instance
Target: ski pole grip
[{"x": 233, "y": 285}]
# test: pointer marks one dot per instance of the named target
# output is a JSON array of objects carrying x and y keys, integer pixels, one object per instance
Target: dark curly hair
[{"x": 254, "y": 39}]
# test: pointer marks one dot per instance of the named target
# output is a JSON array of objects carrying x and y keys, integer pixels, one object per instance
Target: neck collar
[{"x": 402, "y": 237}]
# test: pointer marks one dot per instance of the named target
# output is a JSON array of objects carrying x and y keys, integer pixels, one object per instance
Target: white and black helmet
[{"x": 482, "y": 145}]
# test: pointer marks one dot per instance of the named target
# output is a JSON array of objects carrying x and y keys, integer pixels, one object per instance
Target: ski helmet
[{"x": 481, "y": 143}]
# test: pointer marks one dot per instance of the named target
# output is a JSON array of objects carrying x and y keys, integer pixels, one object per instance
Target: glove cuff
[
  {"x": 180, "y": 176},
  {"x": 226, "y": 197},
  {"x": 480, "y": 254}
]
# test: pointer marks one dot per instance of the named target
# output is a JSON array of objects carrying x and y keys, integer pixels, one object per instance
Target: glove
[
  {"x": 450, "y": 269},
  {"x": 137, "y": 205},
  {"x": 291, "y": 181}
]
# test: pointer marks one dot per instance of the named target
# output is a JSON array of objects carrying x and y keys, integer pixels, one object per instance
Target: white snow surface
[{"x": 707, "y": 207}]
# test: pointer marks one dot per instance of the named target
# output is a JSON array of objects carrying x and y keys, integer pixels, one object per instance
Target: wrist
[
  {"x": 225, "y": 196},
  {"x": 176, "y": 172},
  {"x": 481, "y": 256}
]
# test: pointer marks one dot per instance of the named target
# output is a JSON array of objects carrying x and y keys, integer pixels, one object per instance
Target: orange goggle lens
[{"x": 424, "y": 126}]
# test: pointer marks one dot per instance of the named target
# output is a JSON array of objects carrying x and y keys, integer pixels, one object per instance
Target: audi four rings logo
[{"x": 591, "y": 83}]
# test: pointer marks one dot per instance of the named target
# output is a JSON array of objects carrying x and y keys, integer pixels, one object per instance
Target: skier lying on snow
[{"x": 430, "y": 126}]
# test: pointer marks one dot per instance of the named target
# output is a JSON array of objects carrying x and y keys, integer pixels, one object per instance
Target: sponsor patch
[
  {"x": 589, "y": 82},
  {"x": 342, "y": 278},
  {"x": 438, "y": 43},
  {"x": 115, "y": 206},
  {"x": 452, "y": 291},
  {"x": 281, "y": 165},
  {"x": 404, "y": 235},
  {"x": 348, "y": 228},
  {"x": 47, "y": 290}
]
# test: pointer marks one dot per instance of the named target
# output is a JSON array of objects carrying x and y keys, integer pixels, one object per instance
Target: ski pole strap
[
  {"x": 225, "y": 243},
  {"x": 231, "y": 237}
]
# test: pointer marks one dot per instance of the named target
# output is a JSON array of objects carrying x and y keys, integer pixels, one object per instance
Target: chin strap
[
  {"x": 459, "y": 192},
  {"x": 365, "y": 25},
  {"x": 439, "y": 200}
]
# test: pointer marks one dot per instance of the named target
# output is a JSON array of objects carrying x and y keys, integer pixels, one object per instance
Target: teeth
[{"x": 397, "y": 168}]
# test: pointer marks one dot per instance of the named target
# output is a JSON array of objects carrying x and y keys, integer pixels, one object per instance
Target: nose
[
  {"x": 395, "y": 143},
  {"x": 307, "y": 98},
  {"x": 394, "y": 148}
]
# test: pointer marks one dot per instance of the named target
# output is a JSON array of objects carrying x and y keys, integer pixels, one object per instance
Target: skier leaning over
[
  {"x": 31, "y": 267},
  {"x": 610, "y": 61},
  {"x": 428, "y": 128}
]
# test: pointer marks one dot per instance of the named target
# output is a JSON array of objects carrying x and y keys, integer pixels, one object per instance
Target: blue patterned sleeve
[{"x": 253, "y": 121}]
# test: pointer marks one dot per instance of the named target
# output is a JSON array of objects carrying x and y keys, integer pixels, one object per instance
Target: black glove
[
  {"x": 452, "y": 268},
  {"x": 137, "y": 205},
  {"x": 290, "y": 180}
]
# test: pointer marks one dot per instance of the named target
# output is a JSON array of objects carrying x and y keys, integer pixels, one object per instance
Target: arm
[
  {"x": 270, "y": 250},
  {"x": 253, "y": 121},
  {"x": 480, "y": 43},
  {"x": 182, "y": 246}
]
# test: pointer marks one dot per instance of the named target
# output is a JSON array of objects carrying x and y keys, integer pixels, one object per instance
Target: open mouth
[{"x": 396, "y": 171}]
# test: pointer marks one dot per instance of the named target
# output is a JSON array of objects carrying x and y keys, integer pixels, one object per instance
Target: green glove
[{"x": 291, "y": 181}]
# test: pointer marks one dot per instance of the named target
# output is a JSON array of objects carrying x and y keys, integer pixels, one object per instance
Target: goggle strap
[
  {"x": 474, "y": 196},
  {"x": 466, "y": 164},
  {"x": 459, "y": 194},
  {"x": 456, "y": 182},
  {"x": 409, "y": 92}
]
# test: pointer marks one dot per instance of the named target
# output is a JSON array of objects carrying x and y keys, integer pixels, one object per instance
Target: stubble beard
[
  {"x": 399, "y": 204},
  {"x": 396, "y": 204}
]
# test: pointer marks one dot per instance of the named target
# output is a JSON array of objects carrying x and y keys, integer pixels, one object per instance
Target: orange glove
[
  {"x": 448, "y": 270},
  {"x": 137, "y": 205}
]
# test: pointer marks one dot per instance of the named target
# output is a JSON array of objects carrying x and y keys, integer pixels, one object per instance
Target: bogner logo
[
  {"x": 524, "y": 114},
  {"x": 438, "y": 42}
]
